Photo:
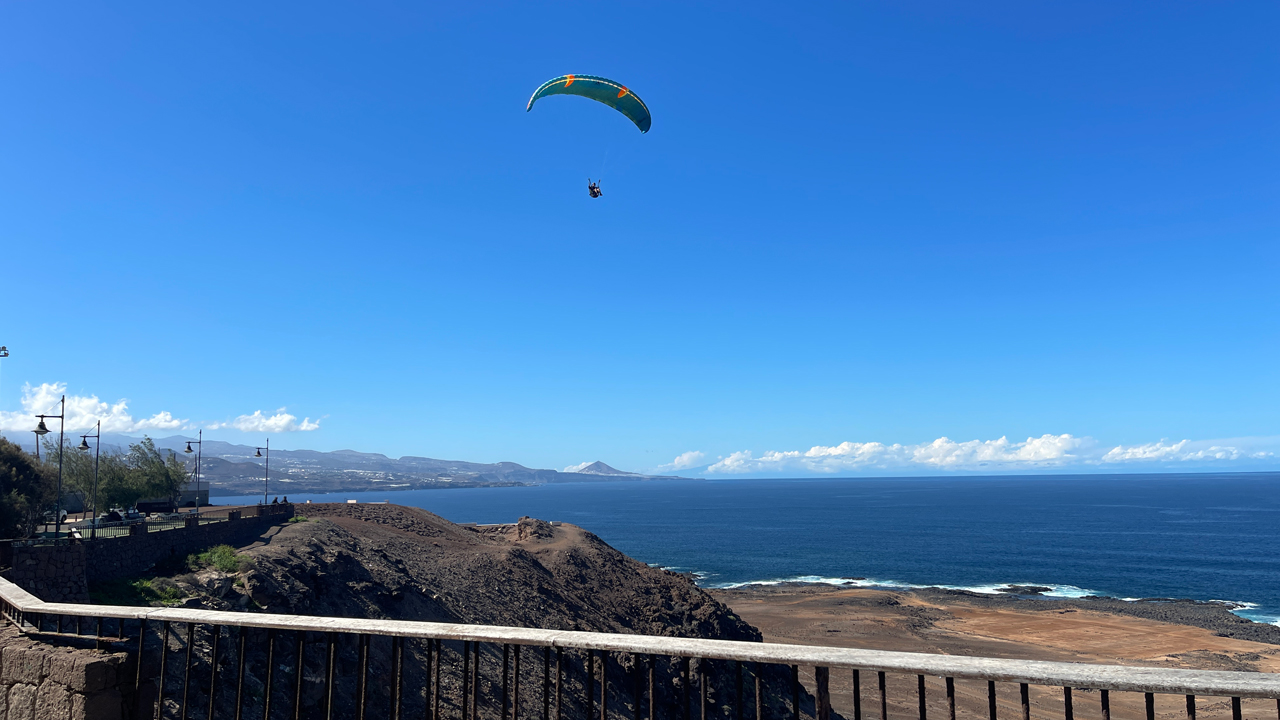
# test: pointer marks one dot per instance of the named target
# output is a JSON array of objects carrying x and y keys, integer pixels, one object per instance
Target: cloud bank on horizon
[
  {"x": 1047, "y": 452},
  {"x": 85, "y": 411}
]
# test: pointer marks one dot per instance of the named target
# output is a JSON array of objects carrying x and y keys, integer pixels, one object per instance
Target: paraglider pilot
[{"x": 593, "y": 188}]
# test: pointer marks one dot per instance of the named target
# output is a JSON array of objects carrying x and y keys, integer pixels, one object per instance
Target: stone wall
[
  {"x": 133, "y": 555},
  {"x": 49, "y": 682},
  {"x": 61, "y": 573},
  {"x": 53, "y": 573}
]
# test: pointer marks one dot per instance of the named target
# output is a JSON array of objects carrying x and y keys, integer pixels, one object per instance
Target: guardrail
[
  {"x": 172, "y": 521},
  {"x": 186, "y": 656}
]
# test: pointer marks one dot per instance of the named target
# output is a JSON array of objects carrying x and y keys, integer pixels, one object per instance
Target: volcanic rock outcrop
[{"x": 394, "y": 562}]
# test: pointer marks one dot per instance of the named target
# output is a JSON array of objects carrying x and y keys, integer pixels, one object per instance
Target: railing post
[
  {"x": 546, "y": 682},
  {"x": 362, "y": 677},
  {"x": 991, "y": 700},
  {"x": 702, "y": 689},
  {"x": 951, "y": 699},
  {"x": 1191, "y": 707},
  {"x": 1105, "y": 698},
  {"x": 1151, "y": 706},
  {"x": 589, "y": 684},
  {"x": 884, "y": 697},
  {"x": 638, "y": 692},
  {"x": 759, "y": 693},
  {"x": 332, "y": 652},
  {"x": 684, "y": 688},
  {"x": 213, "y": 666},
  {"x": 466, "y": 675},
  {"x": 1235, "y": 708},
  {"x": 164, "y": 658},
  {"x": 506, "y": 667},
  {"x": 1026, "y": 701},
  {"x": 1068, "y": 712},
  {"x": 795, "y": 692},
  {"x": 475, "y": 680},
  {"x": 186, "y": 674},
  {"x": 559, "y": 683},
  {"x": 515, "y": 690},
  {"x": 857, "y": 695},
  {"x": 271, "y": 666},
  {"x": 653, "y": 691},
  {"x": 137, "y": 684},
  {"x": 822, "y": 683},
  {"x": 920, "y": 693},
  {"x": 240, "y": 674},
  {"x": 737, "y": 700},
  {"x": 300, "y": 656}
]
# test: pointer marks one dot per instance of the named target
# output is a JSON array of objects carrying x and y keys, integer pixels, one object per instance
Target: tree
[
  {"x": 27, "y": 490},
  {"x": 118, "y": 485},
  {"x": 159, "y": 476}
]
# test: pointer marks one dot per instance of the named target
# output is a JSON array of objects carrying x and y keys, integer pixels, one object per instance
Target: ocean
[{"x": 1201, "y": 536}]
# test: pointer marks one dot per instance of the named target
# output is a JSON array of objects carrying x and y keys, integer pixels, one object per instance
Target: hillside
[{"x": 394, "y": 562}]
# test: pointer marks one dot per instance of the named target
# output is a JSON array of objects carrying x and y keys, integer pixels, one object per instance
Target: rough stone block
[
  {"x": 53, "y": 701},
  {"x": 81, "y": 673},
  {"x": 99, "y": 674},
  {"x": 60, "y": 667},
  {"x": 102, "y": 705},
  {"x": 22, "y": 665},
  {"x": 22, "y": 702}
]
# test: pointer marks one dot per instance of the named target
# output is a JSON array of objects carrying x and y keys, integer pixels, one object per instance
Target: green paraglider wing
[{"x": 613, "y": 94}]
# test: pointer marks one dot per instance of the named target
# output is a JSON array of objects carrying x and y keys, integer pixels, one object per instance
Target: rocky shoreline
[{"x": 1213, "y": 616}]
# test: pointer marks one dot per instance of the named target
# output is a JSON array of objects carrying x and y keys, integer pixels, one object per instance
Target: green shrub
[
  {"x": 142, "y": 591},
  {"x": 298, "y": 519},
  {"x": 221, "y": 557}
]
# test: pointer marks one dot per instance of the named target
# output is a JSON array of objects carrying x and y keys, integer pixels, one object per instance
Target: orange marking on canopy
[
  {"x": 568, "y": 81},
  {"x": 623, "y": 91}
]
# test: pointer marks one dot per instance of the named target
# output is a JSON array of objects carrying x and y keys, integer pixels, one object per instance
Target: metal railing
[
  {"x": 204, "y": 664},
  {"x": 173, "y": 521}
]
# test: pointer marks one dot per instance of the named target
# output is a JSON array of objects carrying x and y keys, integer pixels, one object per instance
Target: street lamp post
[
  {"x": 267, "y": 469},
  {"x": 97, "y": 448},
  {"x": 199, "y": 451},
  {"x": 41, "y": 430}
]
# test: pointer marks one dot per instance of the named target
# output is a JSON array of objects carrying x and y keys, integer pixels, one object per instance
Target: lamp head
[
  {"x": 258, "y": 453},
  {"x": 188, "y": 450},
  {"x": 84, "y": 443},
  {"x": 41, "y": 429}
]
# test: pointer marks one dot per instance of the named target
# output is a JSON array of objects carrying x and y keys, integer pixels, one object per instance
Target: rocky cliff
[{"x": 393, "y": 562}]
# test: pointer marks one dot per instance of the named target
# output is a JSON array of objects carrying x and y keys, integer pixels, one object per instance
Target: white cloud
[
  {"x": 83, "y": 412},
  {"x": 1163, "y": 450},
  {"x": 575, "y": 468},
  {"x": 1186, "y": 451},
  {"x": 684, "y": 461},
  {"x": 1035, "y": 453},
  {"x": 280, "y": 422}
]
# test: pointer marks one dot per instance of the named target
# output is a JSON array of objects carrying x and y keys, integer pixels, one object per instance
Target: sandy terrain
[{"x": 949, "y": 623}]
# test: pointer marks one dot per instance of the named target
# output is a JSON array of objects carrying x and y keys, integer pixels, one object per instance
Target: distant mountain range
[{"x": 237, "y": 470}]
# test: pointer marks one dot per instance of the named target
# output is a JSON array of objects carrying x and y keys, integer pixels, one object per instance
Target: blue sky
[{"x": 851, "y": 223}]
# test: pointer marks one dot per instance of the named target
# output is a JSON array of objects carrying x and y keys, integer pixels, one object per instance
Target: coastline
[
  {"x": 1219, "y": 616},
  {"x": 1152, "y": 633},
  {"x": 1201, "y": 634},
  {"x": 1150, "y": 539}
]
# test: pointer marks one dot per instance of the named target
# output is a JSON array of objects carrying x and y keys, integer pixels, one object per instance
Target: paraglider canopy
[{"x": 615, "y": 95}]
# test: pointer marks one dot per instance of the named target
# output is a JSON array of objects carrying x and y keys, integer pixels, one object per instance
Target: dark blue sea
[{"x": 1203, "y": 536}]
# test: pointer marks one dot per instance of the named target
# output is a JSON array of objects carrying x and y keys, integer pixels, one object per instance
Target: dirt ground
[{"x": 1040, "y": 630}]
